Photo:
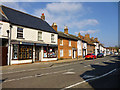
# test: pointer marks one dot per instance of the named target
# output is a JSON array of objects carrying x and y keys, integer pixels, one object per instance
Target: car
[
  {"x": 90, "y": 56},
  {"x": 100, "y": 55},
  {"x": 116, "y": 53}
]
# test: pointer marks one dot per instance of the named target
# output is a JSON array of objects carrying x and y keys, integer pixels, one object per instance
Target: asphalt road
[{"x": 92, "y": 74}]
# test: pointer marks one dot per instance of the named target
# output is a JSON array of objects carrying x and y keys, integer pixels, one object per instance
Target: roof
[
  {"x": 26, "y": 20},
  {"x": 66, "y": 36}
]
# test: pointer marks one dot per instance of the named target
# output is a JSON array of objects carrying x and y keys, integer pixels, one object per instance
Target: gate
[{"x": 3, "y": 55}]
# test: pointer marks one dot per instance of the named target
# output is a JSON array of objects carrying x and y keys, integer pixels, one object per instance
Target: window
[
  {"x": 15, "y": 51},
  {"x": 52, "y": 38},
  {"x": 39, "y": 36},
  {"x": 61, "y": 53},
  {"x": 0, "y": 28},
  {"x": 19, "y": 32},
  {"x": 50, "y": 52},
  {"x": 25, "y": 52},
  {"x": 69, "y": 42},
  {"x": 69, "y": 52},
  {"x": 61, "y": 42}
]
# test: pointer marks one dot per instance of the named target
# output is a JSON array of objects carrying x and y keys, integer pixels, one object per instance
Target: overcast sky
[{"x": 99, "y": 19}]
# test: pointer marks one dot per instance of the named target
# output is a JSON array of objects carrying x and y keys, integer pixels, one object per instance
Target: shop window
[
  {"x": 61, "y": 41},
  {"x": 52, "y": 38},
  {"x": 50, "y": 52},
  {"x": 69, "y": 52},
  {"x": 61, "y": 53},
  {"x": 39, "y": 36},
  {"x": 25, "y": 52},
  {"x": 69, "y": 42},
  {"x": 19, "y": 32},
  {"x": 15, "y": 51}
]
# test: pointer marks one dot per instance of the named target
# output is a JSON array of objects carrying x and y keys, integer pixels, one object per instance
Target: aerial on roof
[{"x": 23, "y": 19}]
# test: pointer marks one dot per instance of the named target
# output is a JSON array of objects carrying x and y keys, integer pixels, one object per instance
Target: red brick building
[{"x": 67, "y": 45}]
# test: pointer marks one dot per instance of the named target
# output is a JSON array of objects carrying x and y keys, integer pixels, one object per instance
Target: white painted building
[
  {"x": 84, "y": 48},
  {"x": 96, "y": 48},
  {"x": 32, "y": 38}
]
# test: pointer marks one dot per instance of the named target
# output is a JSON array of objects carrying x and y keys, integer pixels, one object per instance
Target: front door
[
  {"x": 37, "y": 53},
  {"x": 74, "y": 54}
]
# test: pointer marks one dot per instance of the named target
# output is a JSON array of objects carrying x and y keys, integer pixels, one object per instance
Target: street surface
[{"x": 92, "y": 74}]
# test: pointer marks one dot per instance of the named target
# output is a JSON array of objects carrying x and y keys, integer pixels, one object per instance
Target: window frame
[
  {"x": 61, "y": 53},
  {"x": 18, "y": 33},
  {"x": 52, "y": 38},
  {"x": 70, "y": 52},
  {"x": 39, "y": 36},
  {"x": 62, "y": 42},
  {"x": 69, "y": 42}
]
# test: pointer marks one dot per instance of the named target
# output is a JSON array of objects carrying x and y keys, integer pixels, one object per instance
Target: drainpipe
[{"x": 9, "y": 45}]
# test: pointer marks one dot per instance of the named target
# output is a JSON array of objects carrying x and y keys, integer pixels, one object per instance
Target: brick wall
[
  {"x": 90, "y": 49},
  {"x": 66, "y": 48}
]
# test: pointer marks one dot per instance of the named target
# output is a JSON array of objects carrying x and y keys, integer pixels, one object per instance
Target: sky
[{"x": 99, "y": 19}]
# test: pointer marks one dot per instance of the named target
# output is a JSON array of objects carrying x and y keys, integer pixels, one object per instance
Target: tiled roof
[
  {"x": 26, "y": 20},
  {"x": 67, "y": 36}
]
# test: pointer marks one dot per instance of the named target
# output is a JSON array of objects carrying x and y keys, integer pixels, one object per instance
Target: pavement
[
  {"x": 79, "y": 74},
  {"x": 37, "y": 65}
]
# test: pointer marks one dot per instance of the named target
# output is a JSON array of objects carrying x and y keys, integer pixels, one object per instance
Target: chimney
[
  {"x": 66, "y": 30},
  {"x": 87, "y": 36},
  {"x": 80, "y": 36},
  {"x": 92, "y": 38},
  {"x": 96, "y": 39},
  {"x": 54, "y": 26},
  {"x": 43, "y": 16}
]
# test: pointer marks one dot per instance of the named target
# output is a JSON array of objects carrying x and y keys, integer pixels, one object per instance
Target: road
[{"x": 93, "y": 74}]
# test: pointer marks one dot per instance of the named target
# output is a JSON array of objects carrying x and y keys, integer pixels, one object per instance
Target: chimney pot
[
  {"x": 66, "y": 30},
  {"x": 43, "y": 16}
]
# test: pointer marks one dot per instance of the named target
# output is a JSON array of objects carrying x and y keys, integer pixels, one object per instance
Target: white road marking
[
  {"x": 87, "y": 66},
  {"x": 18, "y": 71},
  {"x": 88, "y": 80},
  {"x": 88, "y": 76},
  {"x": 36, "y": 75},
  {"x": 69, "y": 73}
]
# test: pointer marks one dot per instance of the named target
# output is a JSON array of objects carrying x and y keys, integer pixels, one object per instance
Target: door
[
  {"x": 3, "y": 56},
  {"x": 74, "y": 54},
  {"x": 37, "y": 53}
]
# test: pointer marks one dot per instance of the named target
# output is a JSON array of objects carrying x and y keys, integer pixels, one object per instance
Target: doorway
[
  {"x": 74, "y": 54},
  {"x": 37, "y": 53}
]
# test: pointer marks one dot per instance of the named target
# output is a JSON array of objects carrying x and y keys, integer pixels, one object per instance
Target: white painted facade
[
  {"x": 84, "y": 48},
  {"x": 79, "y": 47},
  {"x": 31, "y": 36},
  {"x": 96, "y": 48},
  {"x": 107, "y": 51}
]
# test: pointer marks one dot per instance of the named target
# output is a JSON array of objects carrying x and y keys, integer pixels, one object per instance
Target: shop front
[
  {"x": 32, "y": 52},
  {"x": 50, "y": 52}
]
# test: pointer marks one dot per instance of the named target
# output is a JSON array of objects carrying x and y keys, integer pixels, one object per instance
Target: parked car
[
  {"x": 90, "y": 56},
  {"x": 116, "y": 53},
  {"x": 100, "y": 55}
]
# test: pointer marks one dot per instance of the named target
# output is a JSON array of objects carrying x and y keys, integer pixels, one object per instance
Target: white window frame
[
  {"x": 52, "y": 38},
  {"x": 70, "y": 51},
  {"x": 20, "y": 32},
  {"x": 61, "y": 53},
  {"x": 39, "y": 36},
  {"x": 62, "y": 42},
  {"x": 69, "y": 42}
]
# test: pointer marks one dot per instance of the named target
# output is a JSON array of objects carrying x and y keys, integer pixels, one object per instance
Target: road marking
[
  {"x": 37, "y": 75},
  {"x": 70, "y": 73},
  {"x": 88, "y": 80},
  {"x": 18, "y": 71},
  {"x": 88, "y": 76},
  {"x": 87, "y": 66}
]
